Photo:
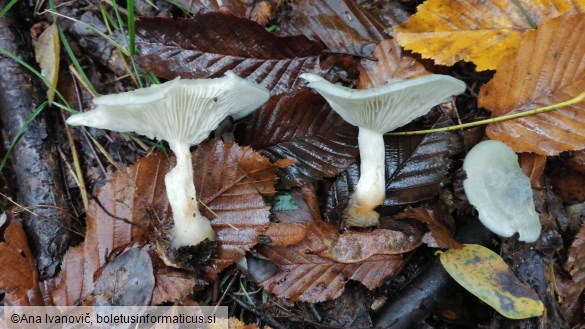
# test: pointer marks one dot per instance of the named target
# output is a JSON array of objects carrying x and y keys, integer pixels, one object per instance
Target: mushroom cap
[
  {"x": 181, "y": 111},
  {"x": 500, "y": 191},
  {"x": 390, "y": 106}
]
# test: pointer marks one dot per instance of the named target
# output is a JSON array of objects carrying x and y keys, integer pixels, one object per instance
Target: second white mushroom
[{"x": 376, "y": 111}]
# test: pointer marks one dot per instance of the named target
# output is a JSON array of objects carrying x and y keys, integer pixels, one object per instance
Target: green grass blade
[{"x": 7, "y": 8}]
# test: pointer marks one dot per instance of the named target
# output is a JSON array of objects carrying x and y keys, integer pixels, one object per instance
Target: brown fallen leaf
[
  {"x": 306, "y": 276},
  {"x": 286, "y": 234},
  {"x": 440, "y": 223},
  {"x": 546, "y": 69},
  {"x": 355, "y": 247},
  {"x": 567, "y": 184},
  {"x": 340, "y": 24},
  {"x": 479, "y": 31},
  {"x": 575, "y": 265},
  {"x": 191, "y": 49},
  {"x": 391, "y": 64},
  {"x": 302, "y": 127},
  {"x": 172, "y": 285},
  {"x": 21, "y": 282},
  {"x": 533, "y": 166}
]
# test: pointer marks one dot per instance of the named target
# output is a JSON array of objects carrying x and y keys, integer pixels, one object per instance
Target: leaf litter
[{"x": 295, "y": 143}]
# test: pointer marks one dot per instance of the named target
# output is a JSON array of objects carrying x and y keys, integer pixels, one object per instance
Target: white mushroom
[
  {"x": 182, "y": 112},
  {"x": 376, "y": 111},
  {"x": 501, "y": 192}
]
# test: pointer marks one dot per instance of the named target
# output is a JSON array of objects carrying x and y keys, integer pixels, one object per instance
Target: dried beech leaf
[
  {"x": 301, "y": 126},
  {"x": 286, "y": 234},
  {"x": 305, "y": 276},
  {"x": 482, "y": 32},
  {"x": 546, "y": 69},
  {"x": 235, "y": 7},
  {"x": 440, "y": 224},
  {"x": 190, "y": 48},
  {"x": 340, "y": 24},
  {"x": 533, "y": 167},
  {"x": 355, "y": 247},
  {"x": 21, "y": 282},
  {"x": 416, "y": 168},
  {"x": 391, "y": 64},
  {"x": 171, "y": 286}
]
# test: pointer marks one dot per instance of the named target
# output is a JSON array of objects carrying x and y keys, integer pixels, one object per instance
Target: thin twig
[{"x": 557, "y": 106}]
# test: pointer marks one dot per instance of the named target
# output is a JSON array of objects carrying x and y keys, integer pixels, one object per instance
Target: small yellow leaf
[
  {"x": 47, "y": 54},
  {"x": 480, "y": 31},
  {"x": 484, "y": 273}
]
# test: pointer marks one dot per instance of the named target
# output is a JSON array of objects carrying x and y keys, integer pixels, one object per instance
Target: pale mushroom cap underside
[
  {"x": 179, "y": 111},
  {"x": 500, "y": 191},
  {"x": 390, "y": 106}
]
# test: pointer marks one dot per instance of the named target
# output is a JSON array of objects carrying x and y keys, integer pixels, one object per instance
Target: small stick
[{"x": 570, "y": 102}]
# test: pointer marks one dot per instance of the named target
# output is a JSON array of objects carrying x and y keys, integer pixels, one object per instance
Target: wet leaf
[
  {"x": 575, "y": 265},
  {"x": 485, "y": 274},
  {"x": 306, "y": 276},
  {"x": 482, "y": 32},
  {"x": 533, "y": 167},
  {"x": 286, "y": 234},
  {"x": 547, "y": 69},
  {"x": 355, "y": 247},
  {"x": 340, "y": 24},
  {"x": 301, "y": 126},
  {"x": 416, "y": 168},
  {"x": 440, "y": 223},
  {"x": 127, "y": 280},
  {"x": 172, "y": 285},
  {"x": 191, "y": 49},
  {"x": 47, "y": 53},
  {"x": 391, "y": 64},
  {"x": 21, "y": 283}
]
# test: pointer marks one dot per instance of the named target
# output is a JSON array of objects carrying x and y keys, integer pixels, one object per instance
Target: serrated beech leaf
[
  {"x": 546, "y": 69},
  {"x": 189, "y": 48},
  {"x": 478, "y": 31},
  {"x": 302, "y": 127},
  {"x": 306, "y": 276}
]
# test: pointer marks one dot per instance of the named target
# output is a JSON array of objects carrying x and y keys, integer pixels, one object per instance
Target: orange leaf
[
  {"x": 306, "y": 276},
  {"x": 21, "y": 283},
  {"x": 547, "y": 69},
  {"x": 440, "y": 224},
  {"x": 478, "y": 31},
  {"x": 391, "y": 64},
  {"x": 533, "y": 166},
  {"x": 286, "y": 234}
]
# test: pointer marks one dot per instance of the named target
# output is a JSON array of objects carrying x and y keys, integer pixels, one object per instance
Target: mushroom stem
[
  {"x": 371, "y": 190},
  {"x": 190, "y": 226}
]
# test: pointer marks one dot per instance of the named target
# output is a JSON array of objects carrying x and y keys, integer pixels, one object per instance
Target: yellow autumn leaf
[
  {"x": 47, "y": 54},
  {"x": 479, "y": 31},
  {"x": 484, "y": 273}
]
